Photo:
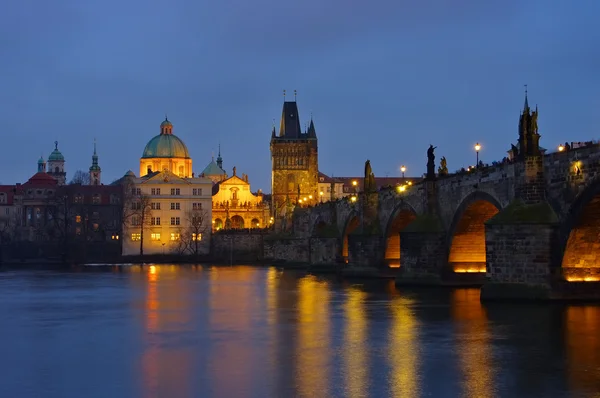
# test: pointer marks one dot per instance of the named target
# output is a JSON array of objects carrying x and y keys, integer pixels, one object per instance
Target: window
[
  {"x": 78, "y": 219},
  {"x": 38, "y": 213},
  {"x": 78, "y": 198},
  {"x": 175, "y": 206},
  {"x": 78, "y": 231},
  {"x": 114, "y": 199},
  {"x": 2, "y": 198},
  {"x": 95, "y": 215},
  {"x": 136, "y": 206},
  {"x": 155, "y": 236},
  {"x": 175, "y": 221},
  {"x": 135, "y": 220},
  {"x": 95, "y": 226},
  {"x": 7, "y": 211},
  {"x": 153, "y": 191},
  {"x": 175, "y": 191},
  {"x": 96, "y": 199},
  {"x": 136, "y": 191},
  {"x": 197, "y": 206},
  {"x": 174, "y": 236},
  {"x": 155, "y": 221},
  {"x": 155, "y": 206},
  {"x": 197, "y": 191},
  {"x": 115, "y": 237},
  {"x": 196, "y": 236},
  {"x": 135, "y": 236}
]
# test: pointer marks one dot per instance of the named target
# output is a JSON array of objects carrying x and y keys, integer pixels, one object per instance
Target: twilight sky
[{"x": 383, "y": 79}]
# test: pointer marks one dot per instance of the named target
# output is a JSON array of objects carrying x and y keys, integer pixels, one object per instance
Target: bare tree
[
  {"x": 197, "y": 223},
  {"x": 80, "y": 177},
  {"x": 60, "y": 217},
  {"x": 8, "y": 231}
]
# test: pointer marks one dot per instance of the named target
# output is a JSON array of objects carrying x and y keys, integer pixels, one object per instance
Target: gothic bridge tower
[{"x": 294, "y": 161}]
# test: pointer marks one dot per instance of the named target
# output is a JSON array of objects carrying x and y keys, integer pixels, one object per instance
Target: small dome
[
  {"x": 213, "y": 170},
  {"x": 41, "y": 160},
  {"x": 166, "y": 146},
  {"x": 129, "y": 174},
  {"x": 56, "y": 156},
  {"x": 166, "y": 123}
]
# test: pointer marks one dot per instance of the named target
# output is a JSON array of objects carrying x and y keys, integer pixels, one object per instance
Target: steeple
[
  {"x": 528, "y": 131},
  {"x": 95, "y": 169},
  {"x": 41, "y": 165},
  {"x": 219, "y": 158},
  {"x": 312, "y": 133},
  {"x": 290, "y": 121}
]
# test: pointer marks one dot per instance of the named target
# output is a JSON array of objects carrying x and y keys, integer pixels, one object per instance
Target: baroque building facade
[{"x": 234, "y": 206}]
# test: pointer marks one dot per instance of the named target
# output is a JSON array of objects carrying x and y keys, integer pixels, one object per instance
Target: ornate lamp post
[
  {"x": 477, "y": 149},
  {"x": 403, "y": 169}
]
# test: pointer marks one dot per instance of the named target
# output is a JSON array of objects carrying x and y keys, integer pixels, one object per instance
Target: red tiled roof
[{"x": 42, "y": 179}]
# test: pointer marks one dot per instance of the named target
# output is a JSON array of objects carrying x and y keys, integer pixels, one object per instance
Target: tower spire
[
  {"x": 526, "y": 106},
  {"x": 95, "y": 169},
  {"x": 219, "y": 158}
]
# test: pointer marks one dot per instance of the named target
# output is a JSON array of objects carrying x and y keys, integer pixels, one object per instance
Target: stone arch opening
[
  {"x": 237, "y": 222},
  {"x": 581, "y": 238},
  {"x": 351, "y": 225},
  {"x": 255, "y": 223},
  {"x": 218, "y": 224},
  {"x": 400, "y": 218},
  {"x": 467, "y": 233}
]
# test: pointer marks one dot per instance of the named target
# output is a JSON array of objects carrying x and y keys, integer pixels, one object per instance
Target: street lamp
[
  {"x": 561, "y": 148},
  {"x": 477, "y": 149},
  {"x": 403, "y": 169},
  {"x": 321, "y": 196}
]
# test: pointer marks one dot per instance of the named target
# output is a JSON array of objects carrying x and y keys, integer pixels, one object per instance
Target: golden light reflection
[
  {"x": 355, "y": 345},
  {"x": 403, "y": 350},
  {"x": 313, "y": 353},
  {"x": 474, "y": 349},
  {"x": 167, "y": 310},
  {"x": 582, "y": 279},
  {"x": 232, "y": 303},
  {"x": 475, "y": 268},
  {"x": 582, "y": 341}
]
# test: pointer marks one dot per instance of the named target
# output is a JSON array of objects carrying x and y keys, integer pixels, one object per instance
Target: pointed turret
[
  {"x": 312, "y": 133},
  {"x": 95, "y": 169},
  {"x": 290, "y": 121},
  {"x": 219, "y": 158},
  {"x": 41, "y": 165}
]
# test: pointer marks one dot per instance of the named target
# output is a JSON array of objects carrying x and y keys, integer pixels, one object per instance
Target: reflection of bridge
[{"x": 530, "y": 222}]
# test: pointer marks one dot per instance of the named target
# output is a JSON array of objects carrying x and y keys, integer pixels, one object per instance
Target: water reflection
[
  {"x": 356, "y": 348},
  {"x": 473, "y": 344},
  {"x": 403, "y": 349},
  {"x": 168, "y": 331},
  {"x": 314, "y": 346}
]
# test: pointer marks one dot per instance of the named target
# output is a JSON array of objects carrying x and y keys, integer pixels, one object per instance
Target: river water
[{"x": 191, "y": 331}]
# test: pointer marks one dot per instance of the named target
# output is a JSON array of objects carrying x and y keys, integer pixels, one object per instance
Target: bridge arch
[
  {"x": 466, "y": 235},
  {"x": 350, "y": 225},
  {"x": 402, "y": 215},
  {"x": 579, "y": 237}
]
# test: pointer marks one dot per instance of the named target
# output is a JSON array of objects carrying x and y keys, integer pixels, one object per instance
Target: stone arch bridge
[{"x": 534, "y": 222}]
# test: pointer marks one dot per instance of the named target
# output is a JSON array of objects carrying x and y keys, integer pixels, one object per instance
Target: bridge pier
[
  {"x": 521, "y": 250},
  {"x": 423, "y": 252}
]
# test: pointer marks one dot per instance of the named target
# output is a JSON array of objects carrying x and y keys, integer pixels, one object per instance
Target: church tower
[
  {"x": 41, "y": 165},
  {"x": 294, "y": 161},
  {"x": 95, "y": 169},
  {"x": 56, "y": 165},
  {"x": 529, "y": 138}
]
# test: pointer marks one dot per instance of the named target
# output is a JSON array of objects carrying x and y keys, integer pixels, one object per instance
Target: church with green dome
[{"x": 166, "y": 151}]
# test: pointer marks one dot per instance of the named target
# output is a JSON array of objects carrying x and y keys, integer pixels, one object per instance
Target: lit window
[
  {"x": 78, "y": 219},
  {"x": 196, "y": 236},
  {"x": 135, "y": 237},
  {"x": 95, "y": 226},
  {"x": 155, "y": 236},
  {"x": 115, "y": 237},
  {"x": 155, "y": 221},
  {"x": 174, "y": 236}
]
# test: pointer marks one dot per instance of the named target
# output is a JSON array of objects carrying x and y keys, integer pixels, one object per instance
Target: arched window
[
  {"x": 181, "y": 171},
  {"x": 56, "y": 169}
]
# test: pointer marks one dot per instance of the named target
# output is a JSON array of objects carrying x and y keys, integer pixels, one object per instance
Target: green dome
[
  {"x": 166, "y": 146},
  {"x": 41, "y": 160},
  {"x": 56, "y": 155}
]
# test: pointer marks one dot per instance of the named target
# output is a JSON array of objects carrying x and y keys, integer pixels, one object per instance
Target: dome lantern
[{"x": 166, "y": 127}]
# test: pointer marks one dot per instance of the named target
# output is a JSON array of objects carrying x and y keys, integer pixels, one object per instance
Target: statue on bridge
[
  {"x": 443, "y": 169},
  {"x": 369, "y": 182},
  {"x": 431, "y": 163}
]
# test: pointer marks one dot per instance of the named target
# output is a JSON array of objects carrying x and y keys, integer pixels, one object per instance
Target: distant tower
[
  {"x": 41, "y": 165},
  {"x": 95, "y": 170},
  {"x": 529, "y": 139},
  {"x": 294, "y": 160},
  {"x": 56, "y": 165},
  {"x": 219, "y": 158}
]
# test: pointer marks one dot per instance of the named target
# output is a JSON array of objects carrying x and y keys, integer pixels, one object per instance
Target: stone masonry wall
[
  {"x": 324, "y": 251},
  {"x": 287, "y": 249},
  {"x": 520, "y": 253},
  {"x": 423, "y": 256},
  {"x": 237, "y": 246},
  {"x": 365, "y": 250}
]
